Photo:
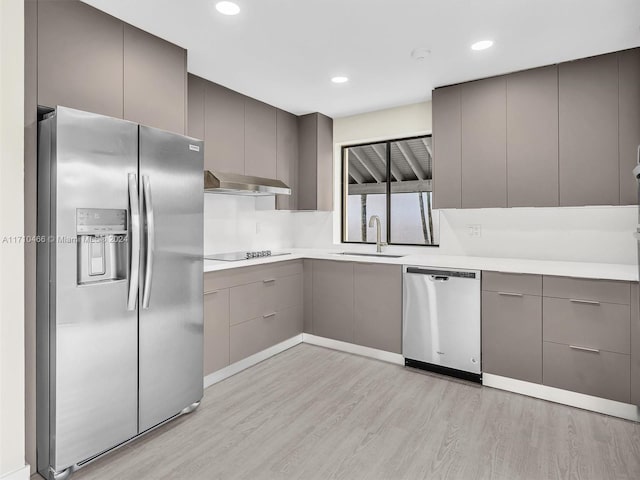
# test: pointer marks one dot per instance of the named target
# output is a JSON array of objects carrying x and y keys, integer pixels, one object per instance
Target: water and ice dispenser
[{"x": 102, "y": 245}]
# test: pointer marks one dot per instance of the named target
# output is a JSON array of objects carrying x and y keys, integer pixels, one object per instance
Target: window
[{"x": 392, "y": 180}]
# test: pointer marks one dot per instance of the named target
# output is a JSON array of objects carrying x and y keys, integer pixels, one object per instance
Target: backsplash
[{"x": 588, "y": 234}]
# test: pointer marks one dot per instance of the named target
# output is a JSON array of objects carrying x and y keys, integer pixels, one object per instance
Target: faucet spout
[{"x": 375, "y": 220}]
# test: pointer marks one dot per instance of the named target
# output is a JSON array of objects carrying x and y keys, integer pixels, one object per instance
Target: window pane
[
  {"x": 412, "y": 218},
  {"x": 365, "y": 177}
]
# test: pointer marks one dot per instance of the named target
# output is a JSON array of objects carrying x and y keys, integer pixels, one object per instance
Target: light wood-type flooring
[{"x": 312, "y": 413}]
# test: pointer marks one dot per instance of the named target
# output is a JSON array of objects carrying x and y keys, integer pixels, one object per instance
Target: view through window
[{"x": 392, "y": 180}]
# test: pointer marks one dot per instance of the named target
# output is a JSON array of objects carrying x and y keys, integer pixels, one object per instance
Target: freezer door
[
  {"x": 93, "y": 336},
  {"x": 171, "y": 290}
]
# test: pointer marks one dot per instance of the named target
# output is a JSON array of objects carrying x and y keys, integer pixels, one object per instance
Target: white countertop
[{"x": 609, "y": 271}]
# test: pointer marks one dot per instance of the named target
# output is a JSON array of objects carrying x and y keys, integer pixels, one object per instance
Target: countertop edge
[{"x": 602, "y": 271}]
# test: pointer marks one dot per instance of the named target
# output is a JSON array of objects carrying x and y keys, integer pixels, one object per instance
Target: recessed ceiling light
[
  {"x": 482, "y": 45},
  {"x": 228, "y": 8},
  {"x": 340, "y": 79},
  {"x": 420, "y": 54}
]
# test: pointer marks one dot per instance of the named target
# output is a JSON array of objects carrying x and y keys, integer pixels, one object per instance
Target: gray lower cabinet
[
  {"x": 287, "y": 158},
  {"x": 512, "y": 336},
  {"x": 196, "y": 87},
  {"x": 80, "y": 62},
  {"x": 223, "y": 129},
  {"x": 447, "y": 138},
  {"x": 378, "y": 306},
  {"x": 635, "y": 344},
  {"x": 629, "y": 122},
  {"x": 155, "y": 81},
  {"x": 260, "y": 306},
  {"x": 216, "y": 330},
  {"x": 601, "y": 374},
  {"x": 588, "y": 131},
  {"x": 308, "y": 296},
  {"x": 512, "y": 325},
  {"x": 532, "y": 138},
  {"x": 333, "y": 297},
  {"x": 484, "y": 143},
  {"x": 259, "y": 139}
]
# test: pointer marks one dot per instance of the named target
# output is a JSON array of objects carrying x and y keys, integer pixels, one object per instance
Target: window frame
[{"x": 344, "y": 184}]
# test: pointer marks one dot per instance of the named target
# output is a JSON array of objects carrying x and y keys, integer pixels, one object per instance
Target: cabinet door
[
  {"x": 588, "y": 131},
  {"x": 378, "y": 306},
  {"x": 635, "y": 345},
  {"x": 333, "y": 300},
  {"x": 308, "y": 296},
  {"x": 287, "y": 157},
  {"x": 532, "y": 138},
  {"x": 629, "y": 138},
  {"x": 216, "y": 330},
  {"x": 484, "y": 141},
  {"x": 223, "y": 129},
  {"x": 195, "y": 103},
  {"x": 79, "y": 58},
  {"x": 325, "y": 164},
  {"x": 307, "y": 171},
  {"x": 512, "y": 335},
  {"x": 155, "y": 81},
  {"x": 259, "y": 139},
  {"x": 447, "y": 144}
]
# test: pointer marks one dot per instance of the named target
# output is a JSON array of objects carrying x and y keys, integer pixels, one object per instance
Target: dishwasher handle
[{"x": 439, "y": 278}]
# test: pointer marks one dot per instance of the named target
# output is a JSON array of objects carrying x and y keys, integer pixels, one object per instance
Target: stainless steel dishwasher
[{"x": 441, "y": 321}]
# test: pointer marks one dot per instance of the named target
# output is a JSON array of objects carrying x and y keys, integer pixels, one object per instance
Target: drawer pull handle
[
  {"x": 269, "y": 280},
  {"x": 585, "y": 349},
  {"x": 510, "y": 294},
  {"x": 588, "y": 302},
  {"x": 273, "y": 314},
  {"x": 211, "y": 292}
]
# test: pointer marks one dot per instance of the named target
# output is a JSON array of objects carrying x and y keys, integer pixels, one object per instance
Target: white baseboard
[
  {"x": 390, "y": 357},
  {"x": 573, "y": 399},
  {"x": 20, "y": 474},
  {"x": 254, "y": 359}
]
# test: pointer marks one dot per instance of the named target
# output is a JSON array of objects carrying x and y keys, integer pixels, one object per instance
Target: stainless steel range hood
[{"x": 236, "y": 184}]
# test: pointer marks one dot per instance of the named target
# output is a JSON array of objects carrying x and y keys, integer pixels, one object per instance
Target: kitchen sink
[{"x": 361, "y": 254}]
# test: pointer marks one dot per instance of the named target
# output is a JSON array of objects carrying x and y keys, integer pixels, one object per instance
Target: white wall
[{"x": 12, "y": 421}]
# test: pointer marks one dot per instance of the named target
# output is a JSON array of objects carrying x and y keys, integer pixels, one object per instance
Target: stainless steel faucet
[{"x": 379, "y": 244}]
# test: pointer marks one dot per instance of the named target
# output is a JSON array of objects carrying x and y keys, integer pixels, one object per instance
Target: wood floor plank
[{"x": 313, "y": 413}]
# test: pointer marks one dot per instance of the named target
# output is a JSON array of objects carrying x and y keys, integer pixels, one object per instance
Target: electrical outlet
[{"x": 474, "y": 231}]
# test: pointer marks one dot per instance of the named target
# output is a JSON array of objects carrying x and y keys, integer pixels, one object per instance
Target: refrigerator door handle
[
  {"x": 150, "y": 247},
  {"x": 134, "y": 235}
]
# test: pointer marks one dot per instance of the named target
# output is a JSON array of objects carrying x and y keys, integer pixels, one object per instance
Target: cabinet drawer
[
  {"x": 603, "y": 374},
  {"x": 244, "y": 275},
  {"x": 512, "y": 336},
  {"x": 603, "y": 326},
  {"x": 512, "y": 282},
  {"x": 263, "y": 332},
  {"x": 289, "y": 291},
  {"x": 610, "y": 291},
  {"x": 252, "y": 300}
]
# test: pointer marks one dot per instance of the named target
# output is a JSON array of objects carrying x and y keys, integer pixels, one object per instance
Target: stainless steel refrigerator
[{"x": 119, "y": 292}]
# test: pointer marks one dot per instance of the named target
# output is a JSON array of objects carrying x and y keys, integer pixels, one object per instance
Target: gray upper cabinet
[
  {"x": 532, "y": 138},
  {"x": 588, "y": 131},
  {"x": 79, "y": 58},
  {"x": 195, "y": 106},
  {"x": 259, "y": 139},
  {"x": 315, "y": 162},
  {"x": 224, "y": 129},
  {"x": 155, "y": 81},
  {"x": 629, "y": 137},
  {"x": 378, "y": 306},
  {"x": 447, "y": 137},
  {"x": 484, "y": 132},
  {"x": 333, "y": 297},
  {"x": 287, "y": 157}
]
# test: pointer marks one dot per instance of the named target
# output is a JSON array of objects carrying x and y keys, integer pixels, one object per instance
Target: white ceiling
[{"x": 284, "y": 52}]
